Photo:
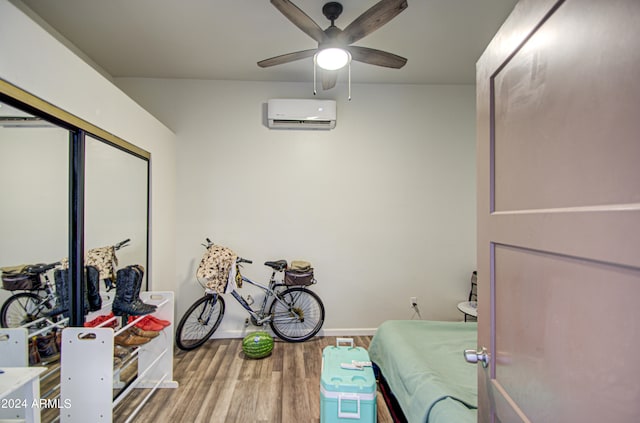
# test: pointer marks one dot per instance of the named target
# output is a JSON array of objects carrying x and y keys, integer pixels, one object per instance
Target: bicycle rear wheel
[
  {"x": 23, "y": 308},
  {"x": 298, "y": 316},
  {"x": 199, "y": 322}
]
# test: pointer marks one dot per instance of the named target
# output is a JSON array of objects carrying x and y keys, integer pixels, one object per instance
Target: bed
[{"x": 422, "y": 372}]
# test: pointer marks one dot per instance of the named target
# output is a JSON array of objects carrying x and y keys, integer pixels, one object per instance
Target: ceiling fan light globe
[{"x": 332, "y": 58}]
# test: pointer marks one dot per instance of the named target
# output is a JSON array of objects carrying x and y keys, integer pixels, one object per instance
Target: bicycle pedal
[{"x": 264, "y": 320}]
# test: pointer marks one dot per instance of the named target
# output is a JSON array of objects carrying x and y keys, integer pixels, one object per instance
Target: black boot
[
  {"x": 127, "y": 301},
  {"x": 61, "y": 278},
  {"x": 93, "y": 298},
  {"x": 136, "y": 297},
  {"x": 140, "y": 275},
  {"x": 63, "y": 303}
]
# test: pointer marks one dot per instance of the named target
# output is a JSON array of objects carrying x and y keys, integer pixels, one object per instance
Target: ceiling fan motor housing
[
  {"x": 332, "y": 11},
  {"x": 332, "y": 39}
]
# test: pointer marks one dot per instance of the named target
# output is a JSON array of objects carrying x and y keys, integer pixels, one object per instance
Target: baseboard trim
[
  {"x": 348, "y": 332},
  {"x": 342, "y": 332}
]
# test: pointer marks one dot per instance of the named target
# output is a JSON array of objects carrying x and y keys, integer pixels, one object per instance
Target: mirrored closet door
[
  {"x": 34, "y": 187},
  {"x": 115, "y": 194}
]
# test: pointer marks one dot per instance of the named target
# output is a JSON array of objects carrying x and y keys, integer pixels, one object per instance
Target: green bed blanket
[{"x": 424, "y": 366}]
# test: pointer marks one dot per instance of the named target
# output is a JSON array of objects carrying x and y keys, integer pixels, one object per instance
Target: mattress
[{"x": 423, "y": 364}]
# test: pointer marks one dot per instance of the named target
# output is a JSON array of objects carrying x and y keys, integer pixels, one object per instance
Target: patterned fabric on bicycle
[
  {"x": 102, "y": 258},
  {"x": 216, "y": 267}
]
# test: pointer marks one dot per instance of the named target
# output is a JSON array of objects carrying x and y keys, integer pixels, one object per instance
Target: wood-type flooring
[{"x": 218, "y": 384}]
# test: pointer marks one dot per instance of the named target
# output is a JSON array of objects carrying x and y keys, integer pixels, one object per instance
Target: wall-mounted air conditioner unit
[{"x": 301, "y": 114}]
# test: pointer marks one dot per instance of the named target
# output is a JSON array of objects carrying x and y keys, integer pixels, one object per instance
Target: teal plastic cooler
[{"x": 346, "y": 395}]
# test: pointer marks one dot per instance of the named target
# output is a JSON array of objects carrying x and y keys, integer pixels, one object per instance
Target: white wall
[
  {"x": 34, "y": 61},
  {"x": 383, "y": 206},
  {"x": 34, "y": 180}
]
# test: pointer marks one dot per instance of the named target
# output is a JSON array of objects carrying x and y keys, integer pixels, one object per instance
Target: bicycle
[
  {"x": 35, "y": 297},
  {"x": 295, "y": 313}
]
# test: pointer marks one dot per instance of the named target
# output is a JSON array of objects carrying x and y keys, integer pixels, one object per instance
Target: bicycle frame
[
  {"x": 48, "y": 289},
  {"x": 270, "y": 292}
]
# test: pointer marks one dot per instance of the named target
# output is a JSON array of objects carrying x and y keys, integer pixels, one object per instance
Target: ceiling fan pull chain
[
  {"x": 314, "y": 76},
  {"x": 349, "y": 81}
]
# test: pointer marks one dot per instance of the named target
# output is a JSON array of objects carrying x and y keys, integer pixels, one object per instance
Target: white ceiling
[{"x": 223, "y": 39}]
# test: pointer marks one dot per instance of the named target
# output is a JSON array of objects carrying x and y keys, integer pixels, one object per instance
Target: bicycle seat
[
  {"x": 278, "y": 265},
  {"x": 37, "y": 268},
  {"x": 41, "y": 267}
]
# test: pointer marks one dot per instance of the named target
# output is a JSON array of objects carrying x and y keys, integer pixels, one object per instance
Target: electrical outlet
[{"x": 413, "y": 301}]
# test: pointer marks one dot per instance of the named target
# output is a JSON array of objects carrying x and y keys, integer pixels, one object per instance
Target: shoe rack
[{"x": 88, "y": 377}]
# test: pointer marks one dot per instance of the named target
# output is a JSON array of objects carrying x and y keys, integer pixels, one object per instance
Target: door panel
[
  {"x": 559, "y": 213},
  {"x": 543, "y": 335},
  {"x": 546, "y": 129}
]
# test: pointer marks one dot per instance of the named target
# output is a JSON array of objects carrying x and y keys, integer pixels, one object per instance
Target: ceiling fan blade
[
  {"x": 376, "y": 57},
  {"x": 378, "y": 15},
  {"x": 286, "y": 58},
  {"x": 300, "y": 19},
  {"x": 329, "y": 79}
]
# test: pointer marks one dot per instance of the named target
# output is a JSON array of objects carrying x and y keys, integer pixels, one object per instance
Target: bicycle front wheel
[
  {"x": 199, "y": 322},
  {"x": 23, "y": 308},
  {"x": 297, "y": 314}
]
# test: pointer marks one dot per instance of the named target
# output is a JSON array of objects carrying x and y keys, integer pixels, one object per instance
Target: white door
[{"x": 558, "y": 114}]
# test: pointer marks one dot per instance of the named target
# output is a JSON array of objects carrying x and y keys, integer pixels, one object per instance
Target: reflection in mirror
[
  {"x": 116, "y": 185},
  {"x": 34, "y": 185},
  {"x": 34, "y": 175}
]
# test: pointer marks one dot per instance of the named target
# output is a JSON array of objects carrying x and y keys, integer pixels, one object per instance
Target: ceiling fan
[{"x": 336, "y": 40}]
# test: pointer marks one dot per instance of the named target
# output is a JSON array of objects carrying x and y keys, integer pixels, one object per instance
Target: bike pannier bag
[
  {"x": 297, "y": 277},
  {"x": 20, "y": 281}
]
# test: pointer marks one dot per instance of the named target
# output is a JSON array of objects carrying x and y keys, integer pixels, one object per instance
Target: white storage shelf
[
  {"x": 20, "y": 394},
  {"x": 87, "y": 375},
  {"x": 21, "y": 397}
]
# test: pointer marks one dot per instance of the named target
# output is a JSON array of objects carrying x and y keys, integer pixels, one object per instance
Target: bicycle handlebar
[
  {"x": 121, "y": 244},
  {"x": 238, "y": 260}
]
